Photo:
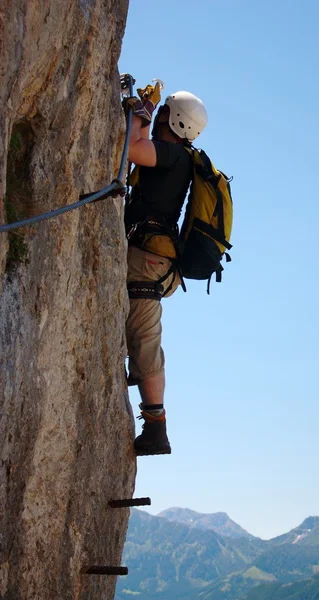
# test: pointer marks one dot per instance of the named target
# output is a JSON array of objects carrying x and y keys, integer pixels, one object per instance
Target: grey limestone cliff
[{"x": 66, "y": 426}]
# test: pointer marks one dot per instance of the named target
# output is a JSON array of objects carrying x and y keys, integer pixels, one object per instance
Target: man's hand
[
  {"x": 150, "y": 92},
  {"x": 139, "y": 110},
  {"x": 144, "y": 107}
]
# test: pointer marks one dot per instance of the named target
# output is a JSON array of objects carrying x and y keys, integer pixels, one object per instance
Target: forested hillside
[{"x": 170, "y": 560}]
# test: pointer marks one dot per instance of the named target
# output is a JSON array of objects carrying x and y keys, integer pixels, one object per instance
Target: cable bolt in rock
[
  {"x": 116, "y": 187},
  {"x": 127, "y": 81},
  {"x": 129, "y": 502},
  {"x": 103, "y": 570}
]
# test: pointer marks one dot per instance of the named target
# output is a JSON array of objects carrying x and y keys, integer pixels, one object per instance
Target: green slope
[
  {"x": 289, "y": 562},
  {"x": 165, "y": 556},
  {"x": 170, "y": 561},
  {"x": 302, "y": 590}
]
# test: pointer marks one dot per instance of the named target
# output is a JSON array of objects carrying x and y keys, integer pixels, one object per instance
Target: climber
[{"x": 151, "y": 217}]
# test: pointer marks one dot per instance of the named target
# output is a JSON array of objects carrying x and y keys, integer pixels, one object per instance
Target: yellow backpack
[
  {"x": 207, "y": 224},
  {"x": 206, "y": 229}
]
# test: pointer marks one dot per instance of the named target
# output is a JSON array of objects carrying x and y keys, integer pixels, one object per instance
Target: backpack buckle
[{"x": 131, "y": 231}]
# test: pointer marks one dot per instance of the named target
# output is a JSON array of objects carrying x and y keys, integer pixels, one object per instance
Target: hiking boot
[{"x": 153, "y": 439}]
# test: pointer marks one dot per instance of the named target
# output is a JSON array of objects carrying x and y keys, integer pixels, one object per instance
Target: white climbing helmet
[{"x": 188, "y": 116}]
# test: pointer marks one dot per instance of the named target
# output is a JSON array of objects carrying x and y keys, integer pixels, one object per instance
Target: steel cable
[{"x": 105, "y": 192}]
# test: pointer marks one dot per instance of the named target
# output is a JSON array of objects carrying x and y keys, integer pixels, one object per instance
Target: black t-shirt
[{"x": 162, "y": 189}]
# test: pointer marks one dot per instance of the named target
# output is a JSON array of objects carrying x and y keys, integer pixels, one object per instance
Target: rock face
[{"x": 66, "y": 424}]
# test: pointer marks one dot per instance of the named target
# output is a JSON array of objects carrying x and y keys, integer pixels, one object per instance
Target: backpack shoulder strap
[{"x": 134, "y": 176}]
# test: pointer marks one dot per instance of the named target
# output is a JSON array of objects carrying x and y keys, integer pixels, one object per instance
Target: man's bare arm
[{"x": 141, "y": 148}]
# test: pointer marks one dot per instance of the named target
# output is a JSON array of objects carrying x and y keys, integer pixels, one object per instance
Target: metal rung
[
  {"x": 102, "y": 570},
  {"x": 129, "y": 502}
]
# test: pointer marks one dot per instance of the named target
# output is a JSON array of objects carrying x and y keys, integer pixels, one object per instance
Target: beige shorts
[{"x": 143, "y": 326}]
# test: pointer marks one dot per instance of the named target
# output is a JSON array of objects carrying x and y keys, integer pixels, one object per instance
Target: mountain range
[
  {"x": 219, "y": 522},
  {"x": 181, "y": 554}
]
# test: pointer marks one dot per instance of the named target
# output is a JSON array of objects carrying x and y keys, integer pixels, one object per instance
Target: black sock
[{"x": 156, "y": 410}]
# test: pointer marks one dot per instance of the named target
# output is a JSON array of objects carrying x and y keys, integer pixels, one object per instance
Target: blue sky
[{"x": 242, "y": 364}]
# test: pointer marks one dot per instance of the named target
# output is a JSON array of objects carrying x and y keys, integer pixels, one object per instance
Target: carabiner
[{"x": 161, "y": 83}]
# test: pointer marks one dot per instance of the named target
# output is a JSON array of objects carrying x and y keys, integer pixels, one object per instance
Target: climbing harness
[
  {"x": 145, "y": 289},
  {"x": 114, "y": 188},
  {"x": 141, "y": 234},
  {"x": 153, "y": 290}
]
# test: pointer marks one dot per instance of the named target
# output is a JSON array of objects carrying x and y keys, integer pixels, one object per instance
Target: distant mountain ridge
[
  {"x": 169, "y": 560},
  {"x": 219, "y": 522},
  {"x": 306, "y": 533}
]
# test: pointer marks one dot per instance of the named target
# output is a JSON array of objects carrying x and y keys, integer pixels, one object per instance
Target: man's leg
[
  {"x": 152, "y": 389},
  {"x": 146, "y": 357},
  {"x": 146, "y": 368}
]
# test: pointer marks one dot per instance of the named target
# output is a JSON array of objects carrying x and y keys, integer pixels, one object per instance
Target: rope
[{"x": 87, "y": 198}]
